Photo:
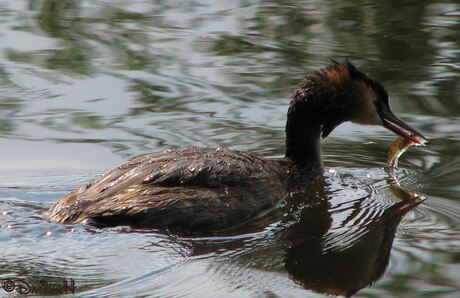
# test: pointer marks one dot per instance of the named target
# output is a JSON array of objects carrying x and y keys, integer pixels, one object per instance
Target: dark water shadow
[{"x": 327, "y": 265}]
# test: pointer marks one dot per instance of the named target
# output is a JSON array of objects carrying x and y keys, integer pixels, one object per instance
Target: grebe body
[{"x": 211, "y": 189}]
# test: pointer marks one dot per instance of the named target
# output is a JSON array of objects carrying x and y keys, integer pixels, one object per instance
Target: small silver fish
[{"x": 399, "y": 147}]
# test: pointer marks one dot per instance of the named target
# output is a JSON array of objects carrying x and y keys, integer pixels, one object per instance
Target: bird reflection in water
[
  {"x": 357, "y": 253},
  {"x": 336, "y": 250}
]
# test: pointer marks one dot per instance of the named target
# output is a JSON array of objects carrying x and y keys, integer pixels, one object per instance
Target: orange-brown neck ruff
[{"x": 333, "y": 77}]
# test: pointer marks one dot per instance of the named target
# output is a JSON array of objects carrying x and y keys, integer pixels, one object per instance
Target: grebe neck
[{"x": 303, "y": 136}]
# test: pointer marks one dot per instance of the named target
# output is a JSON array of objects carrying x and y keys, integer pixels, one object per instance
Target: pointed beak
[{"x": 396, "y": 125}]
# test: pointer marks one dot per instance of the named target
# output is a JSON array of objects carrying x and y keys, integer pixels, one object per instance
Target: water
[{"x": 86, "y": 85}]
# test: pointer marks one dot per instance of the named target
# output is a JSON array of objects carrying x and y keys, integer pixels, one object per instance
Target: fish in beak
[{"x": 393, "y": 123}]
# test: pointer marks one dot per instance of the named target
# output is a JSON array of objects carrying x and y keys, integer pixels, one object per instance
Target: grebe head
[
  {"x": 372, "y": 106},
  {"x": 329, "y": 97},
  {"x": 340, "y": 92}
]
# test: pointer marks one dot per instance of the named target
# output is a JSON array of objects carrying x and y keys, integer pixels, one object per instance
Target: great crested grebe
[{"x": 210, "y": 189}]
